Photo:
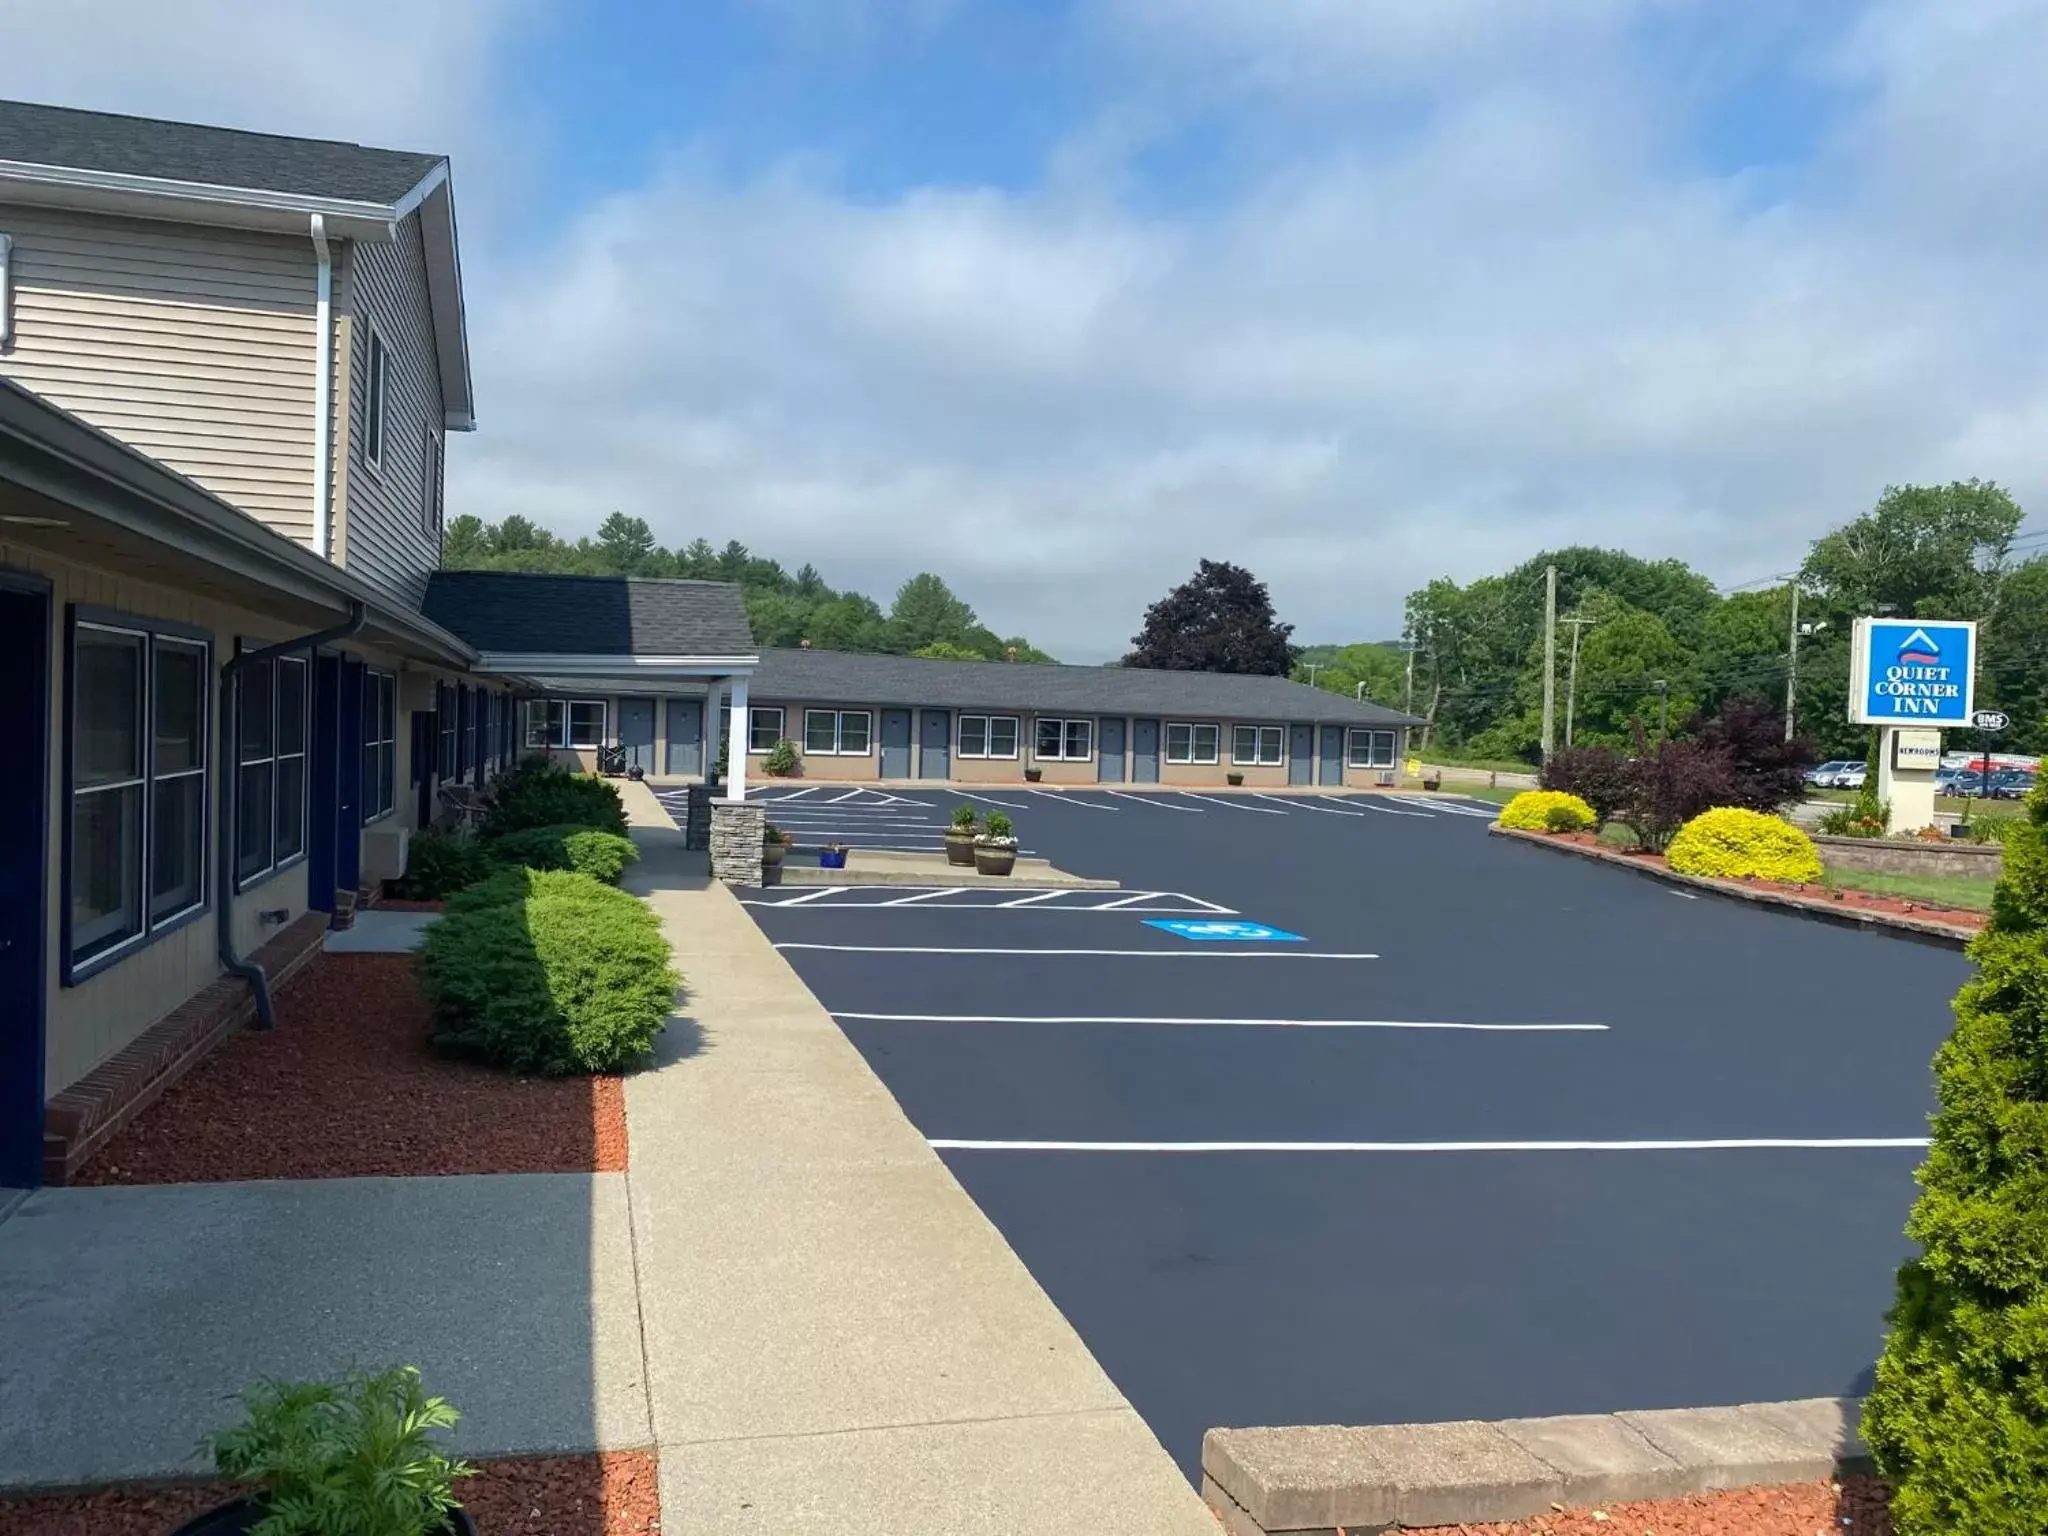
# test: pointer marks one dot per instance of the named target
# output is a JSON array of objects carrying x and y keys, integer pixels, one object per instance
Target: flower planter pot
[
  {"x": 995, "y": 861},
  {"x": 240, "y": 1517},
  {"x": 960, "y": 849},
  {"x": 1033, "y": 775},
  {"x": 832, "y": 858},
  {"x": 1234, "y": 780},
  {"x": 771, "y": 853}
]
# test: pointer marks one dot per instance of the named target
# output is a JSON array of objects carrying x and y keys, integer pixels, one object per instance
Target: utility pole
[
  {"x": 1792, "y": 662},
  {"x": 1663, "y": 709},
  {"x": 1313, "y": 667},
  {"x": 1578, "y": 623},
  {"x": 1408, "y": 698},
  {"x": 1549, "y": 658}
]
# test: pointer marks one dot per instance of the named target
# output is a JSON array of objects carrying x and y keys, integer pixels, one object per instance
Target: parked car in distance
[
  {"x": 1851, "y": 777},
  {"x": 1822, "y": 775},
  {"x": 1958, "y": 782},
  {"x": 2011, "y": 784}
]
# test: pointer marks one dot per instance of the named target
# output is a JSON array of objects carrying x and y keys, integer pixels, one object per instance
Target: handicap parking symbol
[{"x": 1244, "y": 933}]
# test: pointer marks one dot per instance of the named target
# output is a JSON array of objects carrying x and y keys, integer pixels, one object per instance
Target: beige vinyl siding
[
  {"x": 385, "y": 538},
  {"x": 194, "y": 345}
]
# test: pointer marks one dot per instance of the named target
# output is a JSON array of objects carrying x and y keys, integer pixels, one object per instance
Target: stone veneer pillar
[{"x": 736, "y": 830}]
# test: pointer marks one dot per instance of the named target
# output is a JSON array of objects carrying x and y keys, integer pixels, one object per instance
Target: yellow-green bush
[
  {"x": 1530, "y": 811},
  {"x": 1729, "y": 843}
]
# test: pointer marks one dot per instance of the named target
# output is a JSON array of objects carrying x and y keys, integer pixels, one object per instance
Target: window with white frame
[
  {"x": 137, "y": 782},
  {"x": 1188, "y": 742},
  {"x": 375, "y": 386},
  {"x": 546, "y": 724},
  {"x": 838, "y": 732},
  {"x": 764, "y": 728},
  {"x": 1371, "y": 749},
  {"x": 270, "y": 767},
  {"x": 586, "y": 722},
  {"x": 1258, "y": 745},
  {"x": 380, "y": 743},
  {"x": 988, "y": 736},
  {"x": 1064, "y": 741},
  {"x": 430, "y": 483}
]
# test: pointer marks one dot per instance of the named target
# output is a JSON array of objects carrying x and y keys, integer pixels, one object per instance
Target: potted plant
[
  {"x": 995, "y": 849},
  {"x": 833, "y": 856},
  {"x": 774, "y": 844},
  {"x": 1434, "y": 783},
  {"x": 357, "y": 1453},
  {"x": 1033, "y": 775},
  {"x": 960, "y": 836},
  {"x": 1234, "y": 780}
]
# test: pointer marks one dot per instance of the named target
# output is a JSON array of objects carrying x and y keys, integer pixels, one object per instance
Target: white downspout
[{"x": 323, "y": 396}]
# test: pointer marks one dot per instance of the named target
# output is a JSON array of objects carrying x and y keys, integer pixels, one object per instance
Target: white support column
[
  {"x": 736, "y": 749},
  {"x": 709, "y": 733},
  {"x": 1907, "y": 758}
]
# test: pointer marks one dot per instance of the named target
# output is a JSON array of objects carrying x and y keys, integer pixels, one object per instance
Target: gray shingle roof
[
  {"x": 842, "y": 677},
  {"x": 529, "y": 614},
  {"x": 221, "y": 157}
]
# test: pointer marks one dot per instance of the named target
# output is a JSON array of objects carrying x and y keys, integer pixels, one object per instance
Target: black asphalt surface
[{"x": 1277, "y": 1287}]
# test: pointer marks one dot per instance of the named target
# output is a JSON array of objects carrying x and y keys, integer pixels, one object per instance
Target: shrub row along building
[{"x": 228, "y": 362}]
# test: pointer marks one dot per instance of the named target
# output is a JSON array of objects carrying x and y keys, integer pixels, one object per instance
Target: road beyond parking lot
[{"x": 1501, "y": 1134}]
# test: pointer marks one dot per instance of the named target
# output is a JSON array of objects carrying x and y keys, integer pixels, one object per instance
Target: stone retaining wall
[
  {"x": 736, "y": 831},
  {"x": 1884, "y": 855}
]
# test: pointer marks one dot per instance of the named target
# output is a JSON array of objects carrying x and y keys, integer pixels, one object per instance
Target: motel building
[{"x": 238, "y": 684}]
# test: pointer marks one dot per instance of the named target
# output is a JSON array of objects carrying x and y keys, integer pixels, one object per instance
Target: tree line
[
  {"x": 925, "y": 619},
  {"x": 1658, "y": 646}
]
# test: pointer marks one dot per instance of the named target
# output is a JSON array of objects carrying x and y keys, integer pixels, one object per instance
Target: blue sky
[{"x": 1057, "y": 298}]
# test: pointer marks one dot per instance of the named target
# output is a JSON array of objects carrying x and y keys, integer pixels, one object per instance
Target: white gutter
[{"x": 323, "y": 395}]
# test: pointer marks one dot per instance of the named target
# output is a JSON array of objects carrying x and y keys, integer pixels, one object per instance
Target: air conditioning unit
[
  {"x": 385, "y": 850},
  {"x": 1387, "y": 780}
]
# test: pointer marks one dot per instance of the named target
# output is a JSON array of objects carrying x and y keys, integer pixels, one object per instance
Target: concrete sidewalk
[{"x": 837, "y": 1339}]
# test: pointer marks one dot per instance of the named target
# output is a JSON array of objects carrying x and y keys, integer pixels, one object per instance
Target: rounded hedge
[
  {"x": 1530, "y": 811},
  {"x": 538, "y": 794},
  {"x": 1729, "y": 843},
  {"x": 437, "y": 865},
  {"x": 586, "y": 850},
  {"x": 551, "y": 972}
]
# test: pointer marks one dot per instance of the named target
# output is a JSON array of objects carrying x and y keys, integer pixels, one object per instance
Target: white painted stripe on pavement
[
  {"x": 1008, "y": 805},
  {"x": 820, "y": 893},
  {"x": 1256, "y": 810},
  {"x": 1681, "y": 895},
  {"x": 905, "y": 901},
  {"x": 1733, "y": 1144},
  {"x": 1046, "y": 794},
  {"x": 1369, "y": 802},
  {"x": 1185, "y": 810},
  {"x": 1301, "y": 802},
  {"x": 1192, "y": 952},
  {"x": 1087, "y": 1018},
  {"x": 1035, "y": 896}
]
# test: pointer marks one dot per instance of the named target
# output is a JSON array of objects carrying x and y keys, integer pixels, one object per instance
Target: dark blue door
[
  {"x": 348, "y": 780},
  {"x": 1145, "y": 752},
  {"x": 934, "y": 744},
  {"x": 426, "y": 733},
  {"x": 323, "y": 813},
  {"x": 636, "y": 733},
  {"x": 24, "y": 818},
  {"x": 895, "y": 743},
  {"x": 685, "y": 736},
  {"x": 1333, "y": 754},
  {"x": 1109, "y": 750}
]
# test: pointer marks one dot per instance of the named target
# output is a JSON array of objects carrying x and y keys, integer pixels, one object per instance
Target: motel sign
[{"x": 1912, "y": 672}]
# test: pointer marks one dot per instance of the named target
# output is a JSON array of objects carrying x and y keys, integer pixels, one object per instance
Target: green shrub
[
  {"x": 1958, "y": 1418},
  {"x": 356, "y": 1454},
  {"x": 1858, "y": 818},
  {"x": 437, "y": 865},
  {"x": 1729, "y": 843},
  {"x": 1566, "y": 818},
  {"x": 1530, "y": 810},
  {"x": 780, "y": 759},
  {"x": 999, "y": 829},
  {"x": 538, "y": 794},
  {"x": 548, "y": 971},
  {"x": 601, "y": 855},
  {"x": 963, "y": 818}
]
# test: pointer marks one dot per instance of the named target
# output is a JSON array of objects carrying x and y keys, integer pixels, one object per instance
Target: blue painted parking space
[{"x": 1498, "y": 1133}]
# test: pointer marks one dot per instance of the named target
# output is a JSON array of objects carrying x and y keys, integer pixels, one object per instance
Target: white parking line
[
  {"x": 1046, "y": 794},
  {"x": 1035, "y": 896},
  {"x": 1737, "y": 1144},
  {"x": 1008, "y": 805},
  {"x": 852, "y": 794},
  {"x": 1193, "y": 952},
  {"x": 1448, "y": 807},
  {"x": 1301, "y": 803},
  {"x": 1368, "y": 801},
  {"x": 905, "y": 901},
  {"x": 1087, "y": 1018},
  {"x": 1681, "y": 895},
  {"x": 1185, "y": 810},
  {"x": 1256, "y": 810},
  {"x": 820, "y": 892},
  {"x": 795, "y": 794}
]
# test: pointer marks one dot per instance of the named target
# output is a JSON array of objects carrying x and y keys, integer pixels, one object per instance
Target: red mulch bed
[
  {"x": 1861, "y": 901},
  {"x": 1856, "y": 1506},
  {"x": 613, "y": 1494},
  {"x": 349, "y": 1084}
]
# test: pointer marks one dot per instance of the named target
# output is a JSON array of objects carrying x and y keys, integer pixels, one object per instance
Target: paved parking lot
[{"x": 1499, "y": 1133}]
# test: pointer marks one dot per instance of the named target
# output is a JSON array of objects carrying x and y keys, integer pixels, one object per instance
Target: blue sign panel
[
  {"x": 1214, "y": 929},
  {"x": 1912, "y": 672}
]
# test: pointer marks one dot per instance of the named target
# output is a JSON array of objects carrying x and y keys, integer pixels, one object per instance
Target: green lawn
[
  {"x": 1976, "y": 807},
  {"x": 1484, "y": 764},
  {"x": 1970, "y": 893}
]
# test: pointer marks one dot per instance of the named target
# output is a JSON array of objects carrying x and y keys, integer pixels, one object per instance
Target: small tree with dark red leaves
[
  {"x": 1671, "y": 783},
  {"x": 1767, "y": 770},
  {"x": 1597, "y": 775}
]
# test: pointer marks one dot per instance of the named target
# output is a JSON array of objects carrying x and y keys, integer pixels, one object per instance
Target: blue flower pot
[{"x": 830, "y": 860}]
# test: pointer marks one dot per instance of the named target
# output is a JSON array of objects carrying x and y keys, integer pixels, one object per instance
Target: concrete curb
[
  {"x": 1922, "y": 929},
  {"x": 1324, "y": 1480}
]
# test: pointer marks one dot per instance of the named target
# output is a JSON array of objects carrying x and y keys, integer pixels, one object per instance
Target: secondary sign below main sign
[
  {"x": 1912, "y": 672},
  {"x": 1990, "y": 720}
]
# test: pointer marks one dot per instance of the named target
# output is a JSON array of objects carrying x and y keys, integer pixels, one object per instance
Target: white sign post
[{"x": 1911, "y": 677}]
